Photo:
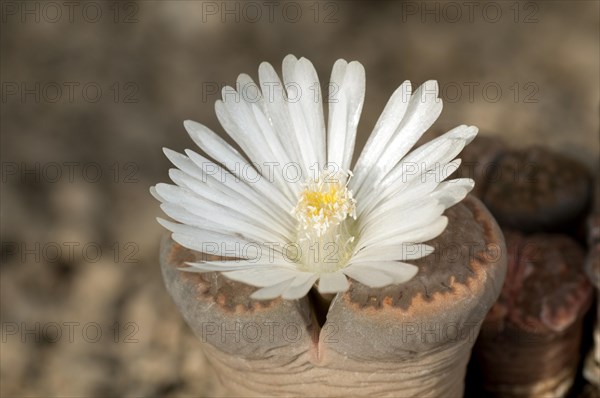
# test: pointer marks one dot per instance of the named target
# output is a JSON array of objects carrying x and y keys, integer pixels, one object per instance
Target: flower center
[{"x": 324, "y": 237}]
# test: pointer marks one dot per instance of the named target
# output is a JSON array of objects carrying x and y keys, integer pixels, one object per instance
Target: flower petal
[
  {"x": 230, "y": 158},
  {"x": 277, "y": 112},
  {"x": 398, "y": 271},
  {"x": 403, "y": 251},
  {"x": 368, "y": 276},
  {"x": 424, "y": 107},
  {"x": 418, "y": 235},
  {"x": 218, "y": 212},
  {"x": 384, "y": 130},
  {"x": 451, "y": 192},
  {"x": 346, "y": 97},
  {"x": 300, "y": 286},
  {"x": 298, "y": 88},
  {"x": 233, "y": 186},
  {"x": 332, "y": 282},
  {"x": 271, "y": 292},
  {"x": 262, "y": 277}
]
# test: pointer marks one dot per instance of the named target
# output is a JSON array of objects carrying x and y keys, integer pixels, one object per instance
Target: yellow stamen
[{"x": 324, "y": 203}]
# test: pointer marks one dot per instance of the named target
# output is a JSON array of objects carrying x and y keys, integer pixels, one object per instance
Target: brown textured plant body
[{"x": 412, "y": 339}]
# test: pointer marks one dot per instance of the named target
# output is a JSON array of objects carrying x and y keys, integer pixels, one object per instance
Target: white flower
[{"x": 287, "y": 212}]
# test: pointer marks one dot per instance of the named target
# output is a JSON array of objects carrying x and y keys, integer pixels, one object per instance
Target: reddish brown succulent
[
  {"x": 536, "y": 189},
  {"x": 529, "y": 345}
]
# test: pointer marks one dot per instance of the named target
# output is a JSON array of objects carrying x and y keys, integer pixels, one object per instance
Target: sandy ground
[{"x": 89, "y": 99}]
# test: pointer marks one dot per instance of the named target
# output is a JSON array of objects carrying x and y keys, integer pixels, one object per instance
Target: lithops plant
[
  {"x": 530, "y": 341},
  {"x": 411, "y": 340},
  {"x": 536, "y": 189},
  {"x": 304, "y": 275}
]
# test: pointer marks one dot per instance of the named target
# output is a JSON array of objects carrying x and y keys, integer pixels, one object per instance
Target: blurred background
[{"x": 92, "y": 91}]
